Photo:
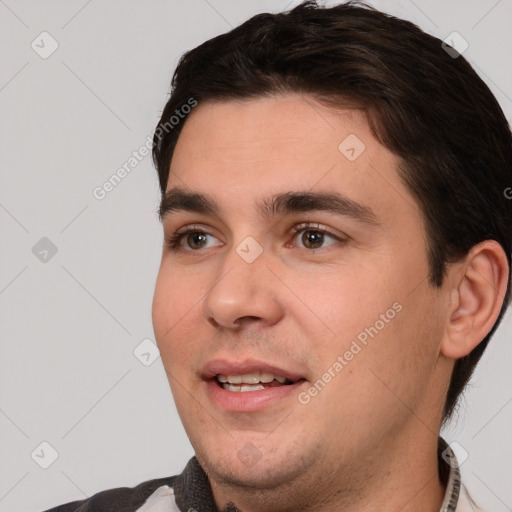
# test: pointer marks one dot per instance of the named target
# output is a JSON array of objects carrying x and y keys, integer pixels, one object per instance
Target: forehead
[
  {"x": 248, "y": 132},
  {"x": 239, "y": 151}
]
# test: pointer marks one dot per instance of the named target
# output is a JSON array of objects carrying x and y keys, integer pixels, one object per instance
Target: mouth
[
  {"x": 250, "y": 385},
  {"x": 255, "y": 381}
]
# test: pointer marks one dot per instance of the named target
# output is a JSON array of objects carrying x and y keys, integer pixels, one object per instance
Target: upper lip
[{"x": 231, "y": 367}]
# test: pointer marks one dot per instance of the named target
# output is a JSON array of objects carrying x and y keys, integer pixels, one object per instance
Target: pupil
[
  {"x": 196, "y": 240},
  {"x": 312, "y": 239}
]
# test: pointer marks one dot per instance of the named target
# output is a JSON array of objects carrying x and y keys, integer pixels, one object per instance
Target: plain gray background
[{"x": 70, "y": 321}]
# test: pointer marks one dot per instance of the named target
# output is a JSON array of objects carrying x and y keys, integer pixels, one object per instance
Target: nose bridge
[{"x": 241, "y": 287}]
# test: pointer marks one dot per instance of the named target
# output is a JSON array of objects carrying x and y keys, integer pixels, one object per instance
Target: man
[{"x": 336, "y": 258}]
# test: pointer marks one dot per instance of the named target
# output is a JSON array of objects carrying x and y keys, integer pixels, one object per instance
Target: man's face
[{"x": 278, "y": 280}]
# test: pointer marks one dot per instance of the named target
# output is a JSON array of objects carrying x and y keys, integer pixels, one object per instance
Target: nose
[{"x": 242, "y": 294}]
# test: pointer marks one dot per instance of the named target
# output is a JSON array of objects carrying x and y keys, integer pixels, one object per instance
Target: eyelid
[
  {"x": 174, "y": 240},
  {"x": 314, "y": 226}
]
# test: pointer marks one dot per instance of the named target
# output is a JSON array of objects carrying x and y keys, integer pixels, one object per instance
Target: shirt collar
[{"x": 449, "y": 474}]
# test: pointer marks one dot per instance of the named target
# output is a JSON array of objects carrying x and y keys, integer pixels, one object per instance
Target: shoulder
[{"x": 121, "y": 499}]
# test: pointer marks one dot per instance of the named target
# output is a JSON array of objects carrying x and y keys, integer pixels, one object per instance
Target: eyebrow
[{"x": 178, "y": 199}]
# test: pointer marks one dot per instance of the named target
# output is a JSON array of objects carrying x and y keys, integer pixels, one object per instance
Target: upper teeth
[{"x": 250, "y": 378}]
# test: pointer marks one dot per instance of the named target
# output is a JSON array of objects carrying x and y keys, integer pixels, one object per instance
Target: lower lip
[{"x": 249, "y": 401}]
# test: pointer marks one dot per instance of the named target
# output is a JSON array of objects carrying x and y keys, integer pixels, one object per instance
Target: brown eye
[
  {"x": 312, "y": 239},
  {"x": 196, "y": 240},
  {"x": 191, "y": 239}
]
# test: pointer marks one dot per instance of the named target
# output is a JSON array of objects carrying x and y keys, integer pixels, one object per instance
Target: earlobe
[{"x": 479, "y": 287}]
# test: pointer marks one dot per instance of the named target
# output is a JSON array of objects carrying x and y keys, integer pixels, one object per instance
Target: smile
[{"x": 255, "y": 381}]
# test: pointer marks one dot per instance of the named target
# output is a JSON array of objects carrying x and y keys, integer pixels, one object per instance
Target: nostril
[
  {"x": 244, "y": 321},
  {"x": 247, "y": 320}
]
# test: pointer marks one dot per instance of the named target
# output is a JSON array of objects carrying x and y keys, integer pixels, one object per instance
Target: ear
[{"x": 479, "y": 283}]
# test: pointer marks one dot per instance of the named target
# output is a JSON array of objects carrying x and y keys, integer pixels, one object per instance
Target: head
[{"x": 369, "y": 168}]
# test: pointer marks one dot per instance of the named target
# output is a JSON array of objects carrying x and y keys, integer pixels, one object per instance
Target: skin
[{"x": 368, "y": 439}]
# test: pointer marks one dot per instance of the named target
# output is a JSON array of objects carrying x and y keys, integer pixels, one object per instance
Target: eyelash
[
  {"x": 311, "y": 226},
  {"x": 173, "y": 241}
]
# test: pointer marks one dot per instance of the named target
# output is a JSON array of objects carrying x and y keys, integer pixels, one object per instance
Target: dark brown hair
[{"x": 426, "y": 105}]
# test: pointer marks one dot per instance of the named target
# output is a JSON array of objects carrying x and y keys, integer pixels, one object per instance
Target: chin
[{"x": 244, "y": 465}]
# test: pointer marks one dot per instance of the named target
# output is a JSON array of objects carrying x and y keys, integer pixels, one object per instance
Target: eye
[
  {"x": 191, "y": 239},
  {"x": 313, "y": 237}
]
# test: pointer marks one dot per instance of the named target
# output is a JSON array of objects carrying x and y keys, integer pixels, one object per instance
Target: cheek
[
  {"x": 372, "y": 317},
  {"x": 176, "y": 303},
  {"x": 351, "y": 301}
]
